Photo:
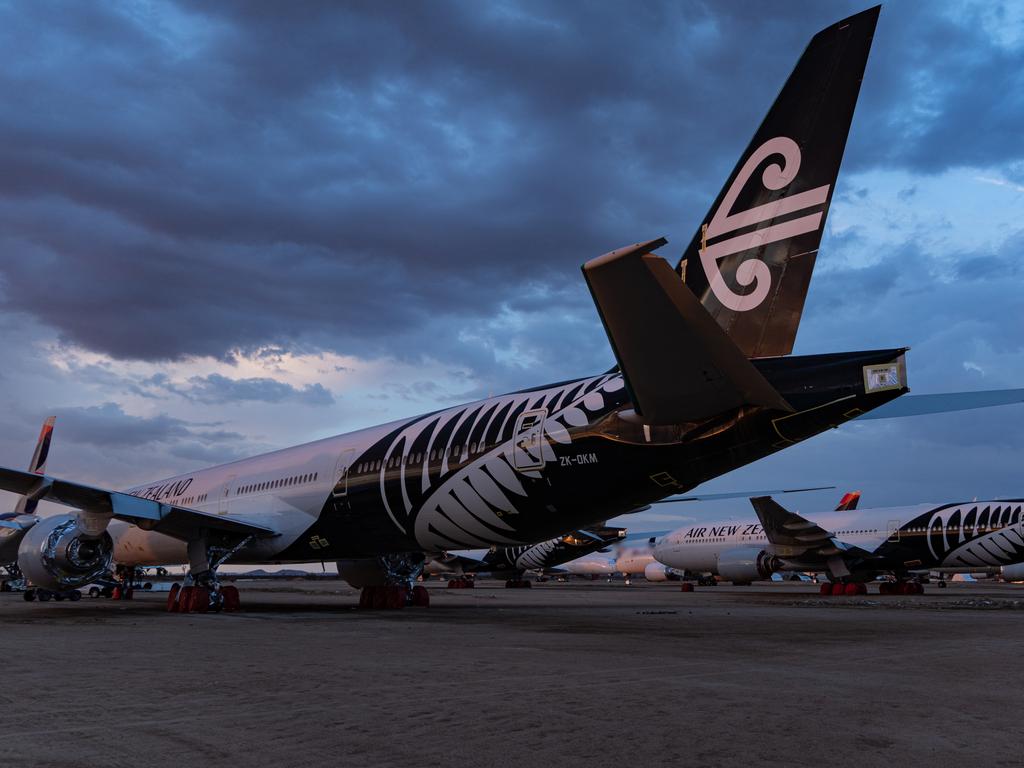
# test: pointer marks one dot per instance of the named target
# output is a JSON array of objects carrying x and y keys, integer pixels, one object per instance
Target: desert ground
[{"x": 559, "y": 675}]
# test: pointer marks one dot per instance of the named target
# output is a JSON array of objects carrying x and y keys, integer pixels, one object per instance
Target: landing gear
[
  {"x": 203, "y": 592},
  {"x": 125, "y": 576},
  {"x": 45, "y": 595},
  {"x": 706, "y": 581},
  {"x": 843, "y": 589},
  {"x": 400, "y": 589},
  {"x": 942, "y": 583},
  {"x": 900, "y": 588},
  {"x": 463, "y": 582},
  {"x": 518, "y": 584}
]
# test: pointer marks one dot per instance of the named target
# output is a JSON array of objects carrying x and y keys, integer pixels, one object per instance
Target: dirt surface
[{"x": 560, "y": 675}]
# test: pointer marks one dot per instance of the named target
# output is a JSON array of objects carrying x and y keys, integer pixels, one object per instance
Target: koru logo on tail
[{"x": 754, "y": 271}]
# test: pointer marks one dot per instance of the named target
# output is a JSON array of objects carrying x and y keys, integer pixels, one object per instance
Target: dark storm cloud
[
  {"x": 108, "y": 426},
  {"x": 388, "y": 179},
  {"x": 216, "y": 389}
]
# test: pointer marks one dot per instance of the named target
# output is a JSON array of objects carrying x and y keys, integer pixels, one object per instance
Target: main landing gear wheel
[
  {"x": 900, "y": 588},
  {"x": 232, "y": 601},
  {"x": 393, "y": 597},
  {"x": 30, "y": 595},
  {"x": 172, "y": 598}
]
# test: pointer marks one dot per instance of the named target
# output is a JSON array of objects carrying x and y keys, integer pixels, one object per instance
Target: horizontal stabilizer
[
  {"x": 948, "y": 402},
  {"x": 179, "y": 522},
  {"x": 678, "y": 364}
]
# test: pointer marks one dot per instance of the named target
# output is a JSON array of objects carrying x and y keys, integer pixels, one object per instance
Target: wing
[
  {"x": 792, "y": 535},
  {"x": 739, "y": 494},
  {"x": 920, "y": 405},
  {"x": 180, "y": 522}
]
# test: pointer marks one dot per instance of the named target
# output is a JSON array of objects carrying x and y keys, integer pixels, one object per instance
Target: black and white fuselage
[
  {"x": 963, "y": 536},
  {"x": 506, "y": 471}
]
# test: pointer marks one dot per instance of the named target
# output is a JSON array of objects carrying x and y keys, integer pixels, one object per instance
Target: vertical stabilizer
[
  {"x": 750, "y": 261},
  {"x": 27, "y": 506}
]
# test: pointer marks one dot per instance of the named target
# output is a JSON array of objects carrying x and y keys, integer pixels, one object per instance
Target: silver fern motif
[{"x": 475, "y": 505}]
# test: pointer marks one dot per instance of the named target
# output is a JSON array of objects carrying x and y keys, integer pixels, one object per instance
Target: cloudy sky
[{"x": 231, "y": 227}]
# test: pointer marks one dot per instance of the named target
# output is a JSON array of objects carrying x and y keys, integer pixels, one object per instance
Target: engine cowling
[
  {"x": 745, "y": 564},
  {"x": 362, "y": 572},
  {"x": 1013, "y": 572},
  {"x": 656, "y": 572},
  {"x": 58, "y": 553}
]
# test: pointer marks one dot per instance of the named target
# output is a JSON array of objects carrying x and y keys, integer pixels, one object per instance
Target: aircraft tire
[
  {"x": 231, "y": 600},
  {"x": 172, "y": 597},
  {"x": 200, "y": 600},
  {"x": 420, "y": 597}
]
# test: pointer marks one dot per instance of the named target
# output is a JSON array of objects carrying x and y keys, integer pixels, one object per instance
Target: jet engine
[
  {"x": 10, "y": 538},
  {"x": 60, "y": 552},
  {"x": 362, "y": 572},
  {"x": 1013, "y": 572},
  {"x": 743, "y": 565},
  {"x": 656, "y": 572}
]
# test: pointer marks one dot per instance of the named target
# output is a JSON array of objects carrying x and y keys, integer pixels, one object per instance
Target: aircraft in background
[
  {"x": 852, "y": 547},
  {"x": 703, "y": 385},
  {"x": 14, "y": 524},
  {"x": 516, "y": 562},
  {"x": 640, "y": 559}
]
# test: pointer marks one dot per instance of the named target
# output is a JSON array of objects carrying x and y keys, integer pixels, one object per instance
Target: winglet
[{"x": 678, "y": 364}]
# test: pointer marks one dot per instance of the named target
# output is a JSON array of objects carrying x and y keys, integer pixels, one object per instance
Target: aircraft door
[
  {"x": 893, "y": 529},
  {"x": 225, "y": 495},
  {"x": 342, "y": 472},
  {"x": 528, "y": 440}
]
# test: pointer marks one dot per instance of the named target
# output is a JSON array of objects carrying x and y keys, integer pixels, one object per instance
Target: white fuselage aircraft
[
  {"x": 853, "y": 546},
  {"x": 703, "y": 384}
]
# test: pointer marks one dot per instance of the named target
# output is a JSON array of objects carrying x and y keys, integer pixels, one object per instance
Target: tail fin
[
  {"x": 752, "y": 278},
  {"x": 25, "y": 505},
  {"x": 849, "y": 502}
]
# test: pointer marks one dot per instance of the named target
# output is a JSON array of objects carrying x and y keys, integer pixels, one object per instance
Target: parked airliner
[
  {"x": 852, "y": 547},
  {"x": 702, "y": 385}
]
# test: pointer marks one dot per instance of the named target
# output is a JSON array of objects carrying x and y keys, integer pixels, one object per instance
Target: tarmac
[{"x": 576, "y": 674}]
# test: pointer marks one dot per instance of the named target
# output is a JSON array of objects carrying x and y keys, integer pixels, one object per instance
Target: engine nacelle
[
  {"x": 364, "y": 572},
  {"x": 746, "y": 564},
  {"x": 57, "y": 553},
  {"x": 10, "y": 538},
  {"x": 656, "y": 572},
  {"x": 1013, "y": 572}
]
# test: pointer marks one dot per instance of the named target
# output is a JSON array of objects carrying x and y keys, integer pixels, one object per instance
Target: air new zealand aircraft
[{"x": 702, "y": 386}]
